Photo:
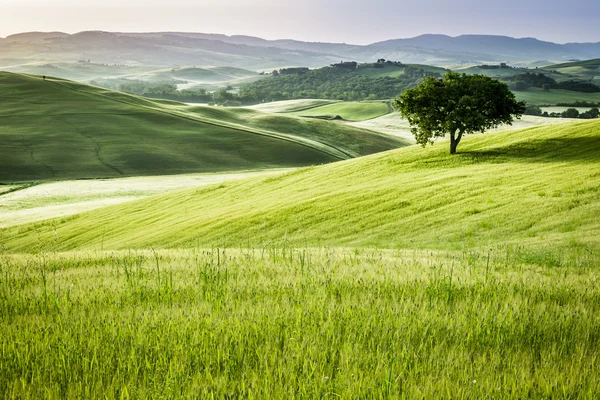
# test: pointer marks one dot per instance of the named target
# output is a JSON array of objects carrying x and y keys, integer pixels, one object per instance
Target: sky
[{"x": 342, "y": 21}]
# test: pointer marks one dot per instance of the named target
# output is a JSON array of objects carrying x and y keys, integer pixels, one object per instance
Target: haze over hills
[{"x": 179, "y": 48}]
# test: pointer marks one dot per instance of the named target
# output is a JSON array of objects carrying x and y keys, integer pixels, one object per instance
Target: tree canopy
[{"x": 458, "y": 104}]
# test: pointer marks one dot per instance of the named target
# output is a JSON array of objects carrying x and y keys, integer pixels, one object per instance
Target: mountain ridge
[{"x": 196, "y": 48}]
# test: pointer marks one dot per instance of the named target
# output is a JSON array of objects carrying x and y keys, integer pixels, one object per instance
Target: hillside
[
  {"x": 588, "y": 69},
  {"x": 57, "y": 129},
  {"x": 349, "y": 111},
  {"x": 508, "y": 187}
]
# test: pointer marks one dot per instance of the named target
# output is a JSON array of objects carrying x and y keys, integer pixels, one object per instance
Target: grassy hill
[
  {"x": 588, "y": 69},
  {"x": 535, "y": 188},
  {"x": 349, "y": 111},
  {"x": 537, "y": 96},
  {"x": 57, "y": 129},
  {"x": 290, "y": 106}
]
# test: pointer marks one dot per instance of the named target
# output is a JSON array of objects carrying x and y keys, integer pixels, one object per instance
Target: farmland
[{"x": 262, "y": 252}]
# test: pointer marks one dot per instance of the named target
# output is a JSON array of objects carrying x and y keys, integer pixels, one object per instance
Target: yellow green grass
[
  {"x": 537, "y": 187},
  {"x": 298, "y": 323},
  {"x": 394, "y": 124},
  {"x": 57, "y": 129},
  {"x": 272, "y": 287},
  {"x": 37, "y": 202}
]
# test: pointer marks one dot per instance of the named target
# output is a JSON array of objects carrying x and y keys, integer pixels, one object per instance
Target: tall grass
[{"x": 281, "y": 322}]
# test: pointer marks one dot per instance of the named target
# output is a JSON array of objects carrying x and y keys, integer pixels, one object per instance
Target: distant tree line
[
  {"x": 524, "y": 81},
  {"x": 568, "y": 113},
  {"x": 499, "y": 66}
]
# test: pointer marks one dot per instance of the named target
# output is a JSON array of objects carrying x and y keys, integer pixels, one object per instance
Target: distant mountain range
[{"x": 179, "y": 48}]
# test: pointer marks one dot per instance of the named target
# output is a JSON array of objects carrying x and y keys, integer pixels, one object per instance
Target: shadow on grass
[{"x": 583, "y": 149}]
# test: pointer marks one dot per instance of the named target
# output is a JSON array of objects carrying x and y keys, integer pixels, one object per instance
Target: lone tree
[{"x": 457, "y": 105}]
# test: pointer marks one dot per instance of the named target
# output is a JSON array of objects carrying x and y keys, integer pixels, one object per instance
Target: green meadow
[
  {"x": 56, "y": 129},
  {"x": 503, "y": 188},
  {"x": 390, "y": 271},
  {"x": 298, "y": 323},
  {"x": 586, "y": 70},
  {"x": 349, "y": 111},
  {"x": 540, "y": 97}
]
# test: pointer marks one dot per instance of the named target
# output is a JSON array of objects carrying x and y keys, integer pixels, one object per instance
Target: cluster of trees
[
  {"x": 568, "y": 113},
  {"x": 500, "y": 66},
  {"x": 579, "y": 104},
  {"x": 342, "y": 81},
  {"x": 165, "y": 90},
  {"x": 381, "y": 63},
  {"x": 524, "y": 81}
]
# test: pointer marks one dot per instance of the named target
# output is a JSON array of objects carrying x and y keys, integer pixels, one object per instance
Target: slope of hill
[
  {"x": 589, "y": 69},
  {"x": 289, "y": 106},
  {"x": 57, "y": 129},
  {"x": 349, "y": 111},
  {"x": 536, "y": 188}
]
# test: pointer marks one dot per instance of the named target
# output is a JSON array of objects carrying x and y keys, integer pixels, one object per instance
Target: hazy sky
[{"x": 349, "y": 21}]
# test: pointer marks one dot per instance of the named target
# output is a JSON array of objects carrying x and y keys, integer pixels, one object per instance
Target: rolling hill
[
  {"x": 536, "y": 188},
  {"x": 57, "y": 129},
  {"x": 349, "y": 111},
  {"x": 588, "y": 69},
  {"x": 180, "y": 48}
]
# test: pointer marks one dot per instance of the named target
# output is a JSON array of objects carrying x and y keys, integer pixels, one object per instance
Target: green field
[
  {"x": 40, "y": 201},
  {"x": 290, "y": 106},
  {"x": 349, "y": 111},
  {"x": 299, "y": 323},
  {"x": 589, "y": 69},
  {"x": 503, "y": 188},
  {"x": 406, "y": 274},
  {"x": 540, "y": 97},
  {"x": 393, "y": 71},
  {"x": 57, "y": 129}
]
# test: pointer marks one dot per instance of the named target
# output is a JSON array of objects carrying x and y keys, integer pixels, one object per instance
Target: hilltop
[
  {"x": 58, "y": 129},
  {"x": 503, "y": 188}
]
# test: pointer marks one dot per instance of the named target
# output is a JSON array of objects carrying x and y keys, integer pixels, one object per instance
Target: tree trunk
[{"x": 454, "y": 141}]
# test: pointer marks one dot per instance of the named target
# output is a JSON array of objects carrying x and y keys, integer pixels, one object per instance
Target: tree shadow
[{"x": 582, "y": 149}]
